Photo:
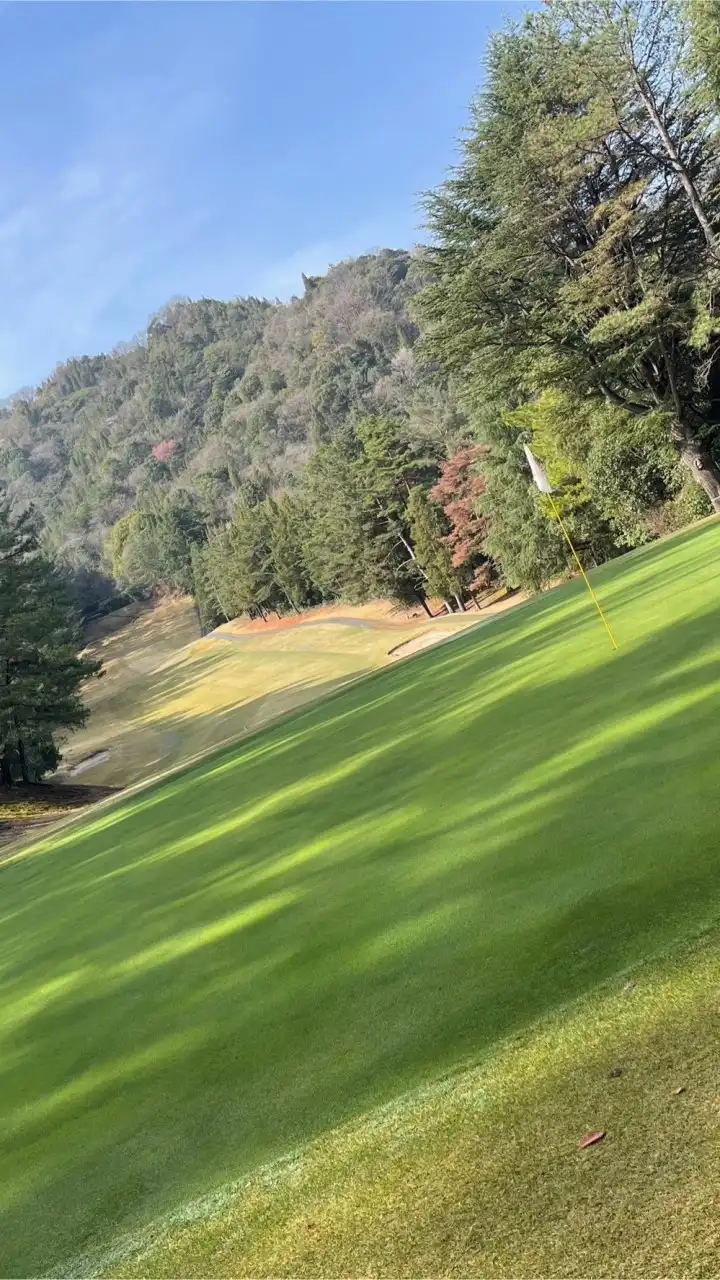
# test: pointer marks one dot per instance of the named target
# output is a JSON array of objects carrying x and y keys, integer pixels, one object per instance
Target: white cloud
[
  {"x": 135, "y": 204},
  {"x": 74, "y": 237}
]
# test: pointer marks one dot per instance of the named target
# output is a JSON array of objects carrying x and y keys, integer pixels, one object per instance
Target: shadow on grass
[
  {"x": 158, "y": 738},
  {"x": 365, "y": 895}
]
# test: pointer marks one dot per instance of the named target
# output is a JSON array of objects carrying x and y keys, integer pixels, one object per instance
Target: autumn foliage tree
[
  {"x": 165, "y": 450},
  {"x": 458, "y": 492}
]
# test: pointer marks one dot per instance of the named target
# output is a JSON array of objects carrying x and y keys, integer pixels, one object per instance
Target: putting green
[{"x": 373, "y": 892}]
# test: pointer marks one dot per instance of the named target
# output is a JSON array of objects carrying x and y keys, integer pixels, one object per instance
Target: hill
[
  {"x": 414, "y": 877},
  {"x": 217, "y": 400},
  {"x": 169, "y": 695}
]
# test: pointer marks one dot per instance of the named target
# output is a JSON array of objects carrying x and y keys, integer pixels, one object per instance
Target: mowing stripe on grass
[{"x": 424, "y": 864}]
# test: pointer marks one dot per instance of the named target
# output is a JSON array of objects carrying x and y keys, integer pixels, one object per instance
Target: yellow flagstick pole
[{"x": 578, "y": 561}]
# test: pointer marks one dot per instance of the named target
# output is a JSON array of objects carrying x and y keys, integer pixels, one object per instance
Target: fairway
[
  {"x": 385, "y": 887},
  {"x": 168, "y": 696}
]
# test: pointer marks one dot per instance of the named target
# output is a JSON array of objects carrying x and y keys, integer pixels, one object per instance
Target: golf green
[{"x": 366, "y": 895}]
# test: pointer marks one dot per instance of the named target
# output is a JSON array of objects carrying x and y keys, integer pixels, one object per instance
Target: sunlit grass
[
  {"x": 387, "y": 887},
  {"x": 168, "y": 696},
  {"x": 481, "y": 1173}
]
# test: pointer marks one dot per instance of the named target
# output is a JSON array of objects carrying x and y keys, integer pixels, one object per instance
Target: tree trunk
[
  {"x": 6, "y": 777},
  {"x": 702, "y": 467},
  {"x": 461, "y": 606},
  {"x": 23, "y": 761},
  {"x": 412, "y": 555},
  {"x": 407, "y": 546},
  {"x": 680, "y": 168},
  {"x": 448, "y": 606},
  {"x": 697, "y": 459},
  {"x": 424, "y": 603}
]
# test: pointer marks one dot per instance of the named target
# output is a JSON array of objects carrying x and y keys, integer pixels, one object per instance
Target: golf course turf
[
  {"x": 168, "y": 696},
  {"x": 379, "y": 890}
]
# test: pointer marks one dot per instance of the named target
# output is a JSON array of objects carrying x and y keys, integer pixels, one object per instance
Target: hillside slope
[
  {"x": 217, "y": 398},
  {"x": 374, "y": 892},
  {"x": 168, "y": 696}
]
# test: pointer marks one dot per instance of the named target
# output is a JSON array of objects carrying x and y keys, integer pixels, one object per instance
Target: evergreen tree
[
  {"x": 40, "y": 670},
  {"x": 348, "y": 550},
  {"x": 251, "y": 581},
  {"x": 210, "y": 614},
  {"x": 520, "y": 536},
  {"x": 429, "y": 535},
  {"x": 358, "y": 542},
  {"x": 215, "y": 564},
  {"x": 641, "y": 53},
  {"x": 285, "y": 525},
  {"x": 390, "y": 465},
  {"x": 235, "y": 568},
  {"x": 613, "y": 472},
  {"x": 571, "y": 252},
  {"x": 704, "y": 19},
  {"x": 151, "y": 548}
]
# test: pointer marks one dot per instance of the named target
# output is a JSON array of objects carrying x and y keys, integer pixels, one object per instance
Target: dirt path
[{"x": 97, "y": 757}]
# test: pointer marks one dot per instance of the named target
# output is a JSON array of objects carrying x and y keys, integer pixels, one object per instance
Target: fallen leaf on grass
[
  {"x": 616, "y": 1073},
  {"x": 680, "y": 1089},
  {"x": 591, "y": 1138}
]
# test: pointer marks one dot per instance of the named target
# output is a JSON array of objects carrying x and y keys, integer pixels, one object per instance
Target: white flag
[{"x": 538, "y": 474}]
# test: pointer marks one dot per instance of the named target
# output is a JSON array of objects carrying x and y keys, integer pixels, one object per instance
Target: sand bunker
[{"x": 97, "y": 757}]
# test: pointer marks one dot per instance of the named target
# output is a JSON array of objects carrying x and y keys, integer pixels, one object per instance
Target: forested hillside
[
  {"x": 217, "y": 400},
  {"x": 366, "y": 438}
]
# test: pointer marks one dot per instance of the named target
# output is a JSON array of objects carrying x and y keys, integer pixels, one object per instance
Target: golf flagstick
[{"x": 543, "y": 484}]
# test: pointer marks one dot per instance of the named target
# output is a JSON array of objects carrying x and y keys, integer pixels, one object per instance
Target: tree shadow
[{"x": 369, "y": 893}]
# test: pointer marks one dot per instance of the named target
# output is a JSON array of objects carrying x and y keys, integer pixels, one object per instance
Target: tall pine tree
[
  {"x": 286, "y": 518},
  {"x": 429, "y": 535},
  {"x": 576, "y": 245},
  {"x": 40, "y": 670}
]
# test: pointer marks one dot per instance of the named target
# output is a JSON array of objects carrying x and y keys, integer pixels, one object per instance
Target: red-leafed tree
[
  {"x": 458, "y": 491},
  {"x": 165, "y": 450}
]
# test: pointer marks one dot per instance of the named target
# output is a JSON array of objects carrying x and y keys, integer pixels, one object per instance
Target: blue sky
[{"x": 151, "y": 150}]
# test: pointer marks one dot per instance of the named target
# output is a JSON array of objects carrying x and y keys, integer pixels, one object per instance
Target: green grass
[
  {"x": 384, "y": 888},
  {"x": 481, "y": 1173}
]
